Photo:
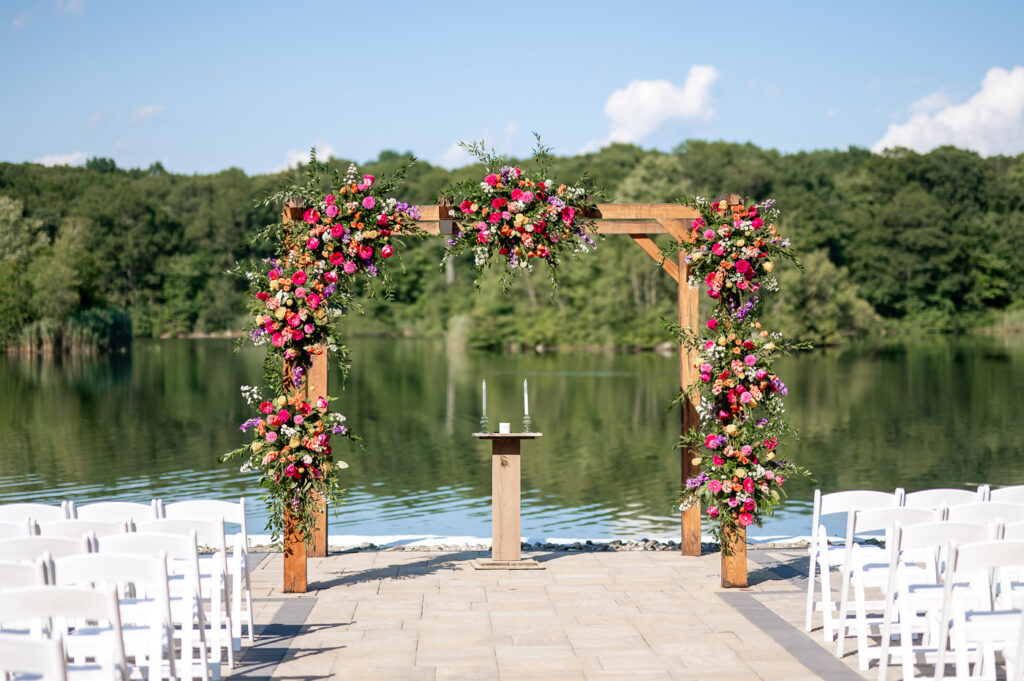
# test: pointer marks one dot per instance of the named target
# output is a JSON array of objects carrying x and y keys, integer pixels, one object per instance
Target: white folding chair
[
  {"x": 42, "y": 657},
  {"x": 77, "y": 528},
  {"x": 17, "y": 575},
  {"x": 865, "y": 567},
  {"x": 974, "y": 622},
  {"x": 822, "y": 556},
  {"x": 914, "y": 589},
  {"x": 65, "y": 612},
  {"x": 1008, "y": 495},
  {"x": 985, "y": 512},
  {"x": 214, "y": 574},
  {"x": 32, "y": 548},
  {"x": 238, "y": 563},
  {"x": 933, "y": 498},
  {"x": 1013, "y": 652},
  {"x": 128, "y": 512},
  {"x": 185, "y": 589},
  {"x": 144, "y": 598},
  {"x": 13, "y": 530},
  {"x": 20, "y": 512}
]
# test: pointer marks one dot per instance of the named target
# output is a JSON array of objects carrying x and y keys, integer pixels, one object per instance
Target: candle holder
[
  {"x": 527, "y": 422},
  {"x": 483, "y": 424}
]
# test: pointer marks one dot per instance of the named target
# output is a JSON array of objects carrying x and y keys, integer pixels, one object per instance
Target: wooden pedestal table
[{"x": 506, "y": 529}]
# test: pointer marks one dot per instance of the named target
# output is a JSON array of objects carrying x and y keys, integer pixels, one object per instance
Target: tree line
[{"x": 890, "y": 243}]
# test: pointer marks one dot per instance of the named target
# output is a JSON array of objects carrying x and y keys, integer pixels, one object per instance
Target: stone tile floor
[{"x": 637, "y": 616}]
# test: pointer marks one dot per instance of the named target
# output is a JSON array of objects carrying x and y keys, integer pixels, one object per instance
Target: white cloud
[
  {"x": 454, "y": 157},
  {"x": 932, "y": 102},
  {"x": 294, "y": 157},
  {"x": 990, "y": 122},
  {"x": 94, "y": 120},
  {"x": 21, "y": 21},
  {"x": 144, "y": 113},
  {"x": 69, "y": 6},
  {"x": 645, "y": 105},
  {"x": 833, "y": 112},
  {"x": 75, "y": 158}
]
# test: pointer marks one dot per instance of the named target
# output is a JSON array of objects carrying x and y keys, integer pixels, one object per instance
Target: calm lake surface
[{"x": 929, "y": 413}]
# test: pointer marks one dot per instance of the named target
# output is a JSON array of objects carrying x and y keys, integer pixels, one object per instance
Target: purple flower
[
  {"x": 251, "y": 423},
  {"x": 694, "y": 483},
  {"x": 780, "y": 386},
  {"x": 371, "y": 270}
]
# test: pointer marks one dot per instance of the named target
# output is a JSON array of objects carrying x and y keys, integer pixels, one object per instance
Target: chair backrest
[
  {"x": 32, "y": 548},
  {"x": 114, "y": 511},
  {"x": 209, "y": 531},
  {"x": 933, "y": 498},
  {"x": 880, "y": 519},
  {"x": 1014, "y": 531},
  {"x": 29, "y": 655},
  {"x": 205, "y": 509},
  {"x": 181, "y": 550},
  {"x": 20, "y": 512},
  {"x": 991, "y": 562},
  {"x": 11, "y": 529},
  {"x": 69, "y": 603},
  {"x": 835, "y": 503},
  {"x": 77, "y": 528},
  {"x": 17, "y": 575},
  {"x": 1010, "y": 495},
  {"x": 987, "y": 511}
]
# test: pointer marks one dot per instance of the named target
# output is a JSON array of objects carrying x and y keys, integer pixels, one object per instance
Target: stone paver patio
[{"x": 633, "y": 615}]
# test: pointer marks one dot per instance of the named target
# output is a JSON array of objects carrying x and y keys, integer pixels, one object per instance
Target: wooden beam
[
  {"x": 603, "y": 227},
  {"x": 316, "y": 386},
  {"x": 642, "y": 211},
  {"x": 689, "y": 316},
  {"x": 651, "y": 249}
]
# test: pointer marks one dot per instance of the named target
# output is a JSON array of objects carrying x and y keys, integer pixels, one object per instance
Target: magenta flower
[
  {"x": 329, "y": 200},
  {"x": 494, "y": 218},
  {"x": 491, "y": 179},
  {"x": 709, "y": 234},
  {"x": 750, "y": 360},
  {"x": 283, "y": 415},
  {"x": 749, "y": 504},
  {"x": 748, "y": 486},
  {"x": 271, "y": 436},
  {"x": 299, "y": 278},
  {"x": 312, "y": 300},
  {"x": 300, "y": 292},
  {"x": 715, "y": 486},
  {"x": 321, "y": 402},
  {"x": 713, "y": 511},
  {"x": 274, "y": 273},
  {"x": 712, "y": 324},
  {"x": 311, "y": 216},
  {"x": 369, "y": 202},
  {"x": 742, "y": 266},
  {"x": 277, "y": 339},
  {"x": 746, "y": 398},
  {"x": 349, "y": 267},
  {"x": 332, "y": 211},
  {"x": 308, "y": 328},
  {"x": 299, "y": 419},
  {"x": 312, "y": 243},
  {"x": 745, "y": 519},
  {"x": 718, "y": 249},
  {"x": 718, "y": 461},
  {"x": 337, "y": 231}
]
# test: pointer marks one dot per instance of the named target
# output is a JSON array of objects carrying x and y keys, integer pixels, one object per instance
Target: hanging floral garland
[
  {"x": 346, "y": 232},
  {"x": 742, "y": 476},
  {"x": 515, "y": 217}
]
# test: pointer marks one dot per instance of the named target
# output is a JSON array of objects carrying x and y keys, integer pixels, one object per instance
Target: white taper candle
[
  {"x": 526, "y": 400},
  {"x": 485, "y": 399}
]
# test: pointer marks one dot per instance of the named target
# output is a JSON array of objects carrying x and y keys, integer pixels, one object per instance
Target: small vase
[
  {"x": 294, "y": 555},
  {"x": 734, "y": 558}
]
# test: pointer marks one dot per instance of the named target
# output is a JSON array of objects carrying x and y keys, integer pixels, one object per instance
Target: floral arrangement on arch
[
  {"x": 340, "y": 230},
  {"x": 742, "y": 418},
  {"x": 517, "y": 217}
]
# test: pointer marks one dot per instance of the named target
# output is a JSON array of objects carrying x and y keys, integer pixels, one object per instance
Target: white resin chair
[
  {"x": 44, "y": 513},
  {"x": 13, "y": 530},
  {"x": 238, "y": 562},
  {"x": 77, "y": 529},
  {"x": 822, "y": 556},
  {"x": 144, "y": 598},
  {"x": 1008, "y": 495},
  {"x": 865, "y": 567},
  {"x": 40, "y": 657},
  {"x": 214, "y": 575},
  {"x": 974, "y": 622},
  {"x": 65, "y": 611},
  {"x": 185, "y": 591},
  {"x": 127, "y": 512},
  {"x": 917, "y": 559},
  {"x": 933, "y": 498},
  {"x": 986, "y": 512},
  {"x": 32, "y": 548},
  {"x": 17, "y": 575}
]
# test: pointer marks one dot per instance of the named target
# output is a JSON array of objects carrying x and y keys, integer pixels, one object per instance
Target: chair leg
[
  {"x": 844, "y": 603},
  {"x": 863, "y": 661},
  {"x": 827, "y": 622},
  {"x": 811, "y": 570}
]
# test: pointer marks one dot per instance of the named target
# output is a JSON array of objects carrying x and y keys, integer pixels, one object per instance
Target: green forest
[{"x": 894, "y": 243}]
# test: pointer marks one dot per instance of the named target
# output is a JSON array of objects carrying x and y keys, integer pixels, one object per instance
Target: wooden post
[
  {"x": 294, "y": 556},
  {"x": 506, "y": 526},
  {"x": 316, "y": 386},
  {"x": 734, "y": 565},
  {"x": 688, "y": 317}
]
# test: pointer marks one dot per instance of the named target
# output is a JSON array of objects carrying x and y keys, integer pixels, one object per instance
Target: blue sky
[{"x": 203, "y": 86}]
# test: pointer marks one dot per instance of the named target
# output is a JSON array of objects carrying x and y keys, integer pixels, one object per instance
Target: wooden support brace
[{"x": 651, "y": 249}]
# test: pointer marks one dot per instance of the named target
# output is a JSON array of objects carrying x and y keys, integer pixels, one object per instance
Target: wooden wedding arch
[{"x": 641, "y": 222}]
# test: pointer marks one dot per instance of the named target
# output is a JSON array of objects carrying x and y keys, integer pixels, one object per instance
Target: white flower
[{"x": 307, "y": 459}]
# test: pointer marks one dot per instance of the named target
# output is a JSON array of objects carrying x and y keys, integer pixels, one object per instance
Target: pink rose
[
  {"x": 749, "y": 504},
  {"x": 742, "y": 266},
  {"x": 745, "y": 519},
  {"x": 724, "y": 415},
  {"x": 734, "y": 502},
  {"x": 741, "y": 285},
  {"x": 748, "y": 486},
  {"x": 368, "y": 181},
  {"x": 266, "y": 407},
  {"x": 299, "y": 419},
  {"x": 761, "y": 373},
  {"x": 332, "y": 211},
  {"x": 349, "y": 267},
  {"x": 337, "y": 231},
  {"x": 568, "y": 215},
  {"x": 294, "y": 321},
  {"x": 466, "y": 206},
  {"x": 709, "y": 234},
  {"x": 365, "y": 252},
  {"x": 312, "y": 243},
  {"x": 713, "y": 511},
  {"x": 482, "y": 237},
  {"x": 718, "y": 249},
  {"x": 746, "y": 398},
  {"x": 321, "y": 402},
  {"x": 717, "y": 460},
  {"x": 290, "y": 471},
  {"x": 313, "y": 300},
  {"x": 715, "y": 486},
  {"x": 752, "y": 211},
  {"x": 711, "y": 441},
  {"x": 331, "y": 277},
  {"x": 311, "y": 216},
  {"x": 299, "y": 278},
  {"x": 309, "y": 328},
  {"x": 369, "y": 202},
  {"x": 274, "y": 274},
  {"x": 329, "y": 199},
  {"x": 750, "y": 360},
  {"x": 705, "y": 377},
  {"x": 271, "y": 436},
  {"x": 386, "y": 251},
  {"x": 746, "y": 449},
  {"x": 283, "y": 415},
  {"x": 517, "y": 194},
  {"x": 300, "y": 292},
  {"x": 491, "y": 179},
  {"x": 709, "y": 344},
  {"x": 712, "y": 323},
  {"x": 757, "y": 223},
  {"x": 278, "y": 340},
  {"x": 494, "y": 218},
  {"x": 714, "y": 293}
]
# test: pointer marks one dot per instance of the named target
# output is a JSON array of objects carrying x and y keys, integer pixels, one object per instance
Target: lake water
[{"x": 929, "y": 413}]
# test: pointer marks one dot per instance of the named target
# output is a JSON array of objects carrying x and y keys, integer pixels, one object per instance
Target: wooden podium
[{"x": 506, "y": 531}]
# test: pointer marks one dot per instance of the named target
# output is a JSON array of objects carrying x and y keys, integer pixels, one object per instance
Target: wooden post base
[
  {"x": 506, "y": 528},
  {"x": 294, "y": 556},
  {"x": 734, "y": 565}
]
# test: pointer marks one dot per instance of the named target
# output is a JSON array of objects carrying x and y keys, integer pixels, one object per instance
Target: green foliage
[{"x": 928, "y": 241}]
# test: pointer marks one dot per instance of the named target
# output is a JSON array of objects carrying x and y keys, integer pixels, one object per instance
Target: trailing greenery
[{"x": 890, "y": 242}]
